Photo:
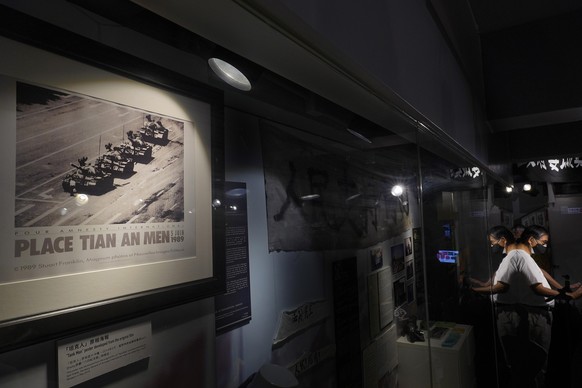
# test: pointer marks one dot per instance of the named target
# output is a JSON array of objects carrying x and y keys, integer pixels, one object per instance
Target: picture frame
[
  {"x": 397, "y": 257},
  {"x": 184, "y": 257},
  {"x": 408, "y": 246},
  {"x": 376, "y": 258}
]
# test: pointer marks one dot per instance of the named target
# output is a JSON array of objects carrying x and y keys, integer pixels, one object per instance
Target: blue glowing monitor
[{"x": 447, "y": 256}]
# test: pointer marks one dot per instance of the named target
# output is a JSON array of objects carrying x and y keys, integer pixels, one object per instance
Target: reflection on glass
[
  {"x": 454, "y": 221},
  {"x": 81, "y": 199}
]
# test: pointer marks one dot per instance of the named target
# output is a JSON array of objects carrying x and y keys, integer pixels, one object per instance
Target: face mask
[
  {"x": 496, "y": 249},
  {"x": 540, "y": 249}
]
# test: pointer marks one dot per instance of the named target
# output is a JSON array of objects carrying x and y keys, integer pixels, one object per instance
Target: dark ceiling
[
  {"x": 522, "y": 57},
  {"x": 532, "y": 82}
]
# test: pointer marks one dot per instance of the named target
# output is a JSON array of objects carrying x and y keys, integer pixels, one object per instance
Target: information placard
[
  {"x": 233, "y": 308},
  {"x": 88, "y": 356}
]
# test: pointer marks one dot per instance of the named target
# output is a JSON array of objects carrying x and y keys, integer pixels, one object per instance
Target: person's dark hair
[
  {"x": 500, "y": 231},
  {"x": 535, "y": 231},
  {"x": 518, "y": 227}
]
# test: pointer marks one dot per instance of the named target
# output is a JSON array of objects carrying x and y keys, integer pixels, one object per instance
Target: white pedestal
[{"x": 452, "y": 367}]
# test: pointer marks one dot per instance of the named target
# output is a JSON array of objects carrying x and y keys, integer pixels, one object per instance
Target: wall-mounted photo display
[
  {"x": 397, "y": 257},
  {"x": 107, "y": 191},
  {"x": 408, "y": 246},
  {"x": 376, "y": 258}
]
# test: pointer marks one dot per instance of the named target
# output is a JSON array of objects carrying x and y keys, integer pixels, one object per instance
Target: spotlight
[
  {"x": 527, "y": 187},
  {"x": 509, "y": 189},
  {"x": 397, "y": 190}
]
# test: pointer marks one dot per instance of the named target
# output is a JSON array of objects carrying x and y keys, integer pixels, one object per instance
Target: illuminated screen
[{"x": 447, "y": 256}]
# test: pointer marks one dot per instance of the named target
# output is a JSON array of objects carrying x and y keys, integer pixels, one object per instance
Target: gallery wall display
[
  {"x": 233, "y": 308},
  {"x": 109, "y": 180},
  {"x": 319, "y": 199}
]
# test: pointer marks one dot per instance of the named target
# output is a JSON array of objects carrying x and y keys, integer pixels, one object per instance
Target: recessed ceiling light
[
  {"x": 310, "y": 197},
  {"x": 359, "y": 135},
  {"x": 229, "y": 74}
]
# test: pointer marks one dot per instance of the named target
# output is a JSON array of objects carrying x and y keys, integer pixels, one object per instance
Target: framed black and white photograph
[{"x": 108, "y": 186}]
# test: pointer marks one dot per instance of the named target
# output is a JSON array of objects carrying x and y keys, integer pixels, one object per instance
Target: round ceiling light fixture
[{"x": 229, "y": 74}]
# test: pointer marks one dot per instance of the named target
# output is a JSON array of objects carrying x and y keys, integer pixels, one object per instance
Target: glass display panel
[{"x": 459, "y": 322}]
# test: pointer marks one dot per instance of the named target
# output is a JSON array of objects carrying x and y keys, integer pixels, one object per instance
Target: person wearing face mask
[
  {"x": 537, "y": 237},
  {"x": 500, "y": 238},
  {"x": 478, "y": 311},
  {"x": 541, "y": 256},
  {"x": 524, "y": 300}
]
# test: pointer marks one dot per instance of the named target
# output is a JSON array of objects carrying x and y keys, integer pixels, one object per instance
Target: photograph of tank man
[
  {"x": 129, "y": 162},
  {"x": 87, "y": 178}
]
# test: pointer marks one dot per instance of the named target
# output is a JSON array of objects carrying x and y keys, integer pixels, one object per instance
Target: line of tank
[{"x": 97, "y": 177}]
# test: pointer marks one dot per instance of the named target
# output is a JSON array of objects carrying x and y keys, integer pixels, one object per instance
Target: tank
[
  {"x": 136, "y": 148},
  {"x": 154, "y": 131},
  {"x": 115, "y": 161},
  {"x": 87, "y": 178}
]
